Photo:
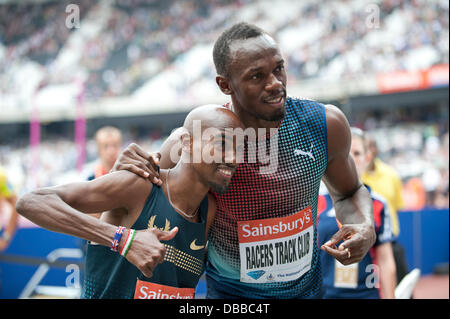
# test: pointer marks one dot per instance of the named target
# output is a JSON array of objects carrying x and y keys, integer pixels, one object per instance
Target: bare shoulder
[
  {"x": 335, "y": 117},
  {"x": 338, "y": 132}
]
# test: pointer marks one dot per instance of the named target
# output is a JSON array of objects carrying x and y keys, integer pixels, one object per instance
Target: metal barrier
[{"x": 54, "y": 291}]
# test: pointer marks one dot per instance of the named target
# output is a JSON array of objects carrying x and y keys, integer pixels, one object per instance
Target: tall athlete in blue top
[
  {"x": 374, "y": 276},
  {"x": 177, "y": 212},
  {"x": 263, "y": 241}
]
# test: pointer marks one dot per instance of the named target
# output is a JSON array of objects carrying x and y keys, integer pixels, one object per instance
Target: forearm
[
  {"x": 356, "y": 208},
  {"x": 46, "y": 209},
  {"x": 387, "y": 273},
  {"x": 387, "y": 282}
]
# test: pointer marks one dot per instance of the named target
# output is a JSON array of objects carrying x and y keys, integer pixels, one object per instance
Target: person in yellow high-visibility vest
[
  {"x": 7, "y": 194},
  {"x": 384, "y": 180}
]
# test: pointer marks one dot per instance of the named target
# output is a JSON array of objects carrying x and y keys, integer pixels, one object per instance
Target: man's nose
[
  {"x": 230, "y": 156},
  {"x": 273, "y": 83}
]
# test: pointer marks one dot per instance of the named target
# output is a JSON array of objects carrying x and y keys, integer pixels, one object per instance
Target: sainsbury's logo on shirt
[
  {"x": 149, "y": 290},
  {"x": 266, "y": 229}
]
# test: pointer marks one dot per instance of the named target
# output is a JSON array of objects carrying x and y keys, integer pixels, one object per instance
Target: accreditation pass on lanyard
[{"x": 276, "y": 249}]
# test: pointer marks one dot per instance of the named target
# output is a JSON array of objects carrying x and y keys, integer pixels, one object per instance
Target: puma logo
[
  {"x": 194, "y": 246},
  {"x": 309, "y": 154}
]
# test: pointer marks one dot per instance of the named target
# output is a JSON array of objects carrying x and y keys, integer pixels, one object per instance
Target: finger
[
  {"x": 135, "y": 169},
  {"x": 127, "y": 156},
  {"x": 355, "y": 242},
  {"x": 156, "y": 157},
  {"x": 150, "y": 160},
  {"x": 147, "y": 272},
  {"x": 353, "y": 259},
  {"x": 153, "y": 164},
  {"x": 150, "y": 171},
  {"x": 139, "y": 151},
  {"x": 164, "y": 235},
  {"x": 134, "y": 151},
  {"x": 337, "y": 237},
  {"x": 338, "y": 254}
]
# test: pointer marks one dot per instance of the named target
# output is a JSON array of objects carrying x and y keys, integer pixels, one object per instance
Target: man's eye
[{"x": 256, "y": 76}]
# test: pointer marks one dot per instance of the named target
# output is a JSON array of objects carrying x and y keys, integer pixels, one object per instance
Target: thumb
[{"x": 166, "y": 235}]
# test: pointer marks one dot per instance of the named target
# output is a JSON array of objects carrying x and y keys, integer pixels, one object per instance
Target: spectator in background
[
  {"x": 7, "y": 194},
  {"x": 109, "y": 144},
  {"x": 414, "y": 194},
  {"x": 384, "y": 180},
  {"x": 360, "y": 280}
]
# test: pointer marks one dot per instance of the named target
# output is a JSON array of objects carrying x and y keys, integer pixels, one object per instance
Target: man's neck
[
  {"x": 250, "y": 121},
  {"x": 186, "y": 190},
  {"x": 372, "y": 166}
]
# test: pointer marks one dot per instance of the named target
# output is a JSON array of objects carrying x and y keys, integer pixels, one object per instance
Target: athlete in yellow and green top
[{"x": 7, "y": 194}]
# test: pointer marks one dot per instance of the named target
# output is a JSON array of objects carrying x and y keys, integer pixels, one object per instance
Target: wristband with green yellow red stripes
[{"x": 128, "y": 242}]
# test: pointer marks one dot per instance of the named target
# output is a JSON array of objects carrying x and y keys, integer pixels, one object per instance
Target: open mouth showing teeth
[
  {"x": 226, "y": 172},
  {"x": 274, "y": 100}
]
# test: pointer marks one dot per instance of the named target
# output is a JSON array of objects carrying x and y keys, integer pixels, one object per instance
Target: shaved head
[
  {"x": 207, "y": 124},
  {"x": 211, "y": 116}
]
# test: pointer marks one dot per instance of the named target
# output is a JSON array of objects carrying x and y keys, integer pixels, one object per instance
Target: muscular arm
[
  {"x": 351, "y": 199},
  {"x": 65, "y": 208}
]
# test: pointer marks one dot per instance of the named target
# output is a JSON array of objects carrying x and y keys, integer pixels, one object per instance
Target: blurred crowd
[
  {"x": 351, "y": 40},
  {"x": 31, "y": 32},
  {"x": 143, "y": 37},
  {"x": 135, "y": 39}
]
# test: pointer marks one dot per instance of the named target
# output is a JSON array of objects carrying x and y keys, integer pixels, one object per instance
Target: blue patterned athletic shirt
[{"x": 263, "y": 242}]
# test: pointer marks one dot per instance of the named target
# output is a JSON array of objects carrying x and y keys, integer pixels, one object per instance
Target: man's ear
[
  {"x": 186, "y": 142},
  {"x": 224, "y": 85}
]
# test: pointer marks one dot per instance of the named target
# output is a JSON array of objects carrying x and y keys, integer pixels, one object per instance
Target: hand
[
  {"x": 139, "y": 162},
  {"x": 146, "y": 250},
  {"x": 358, "y": 239}
]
